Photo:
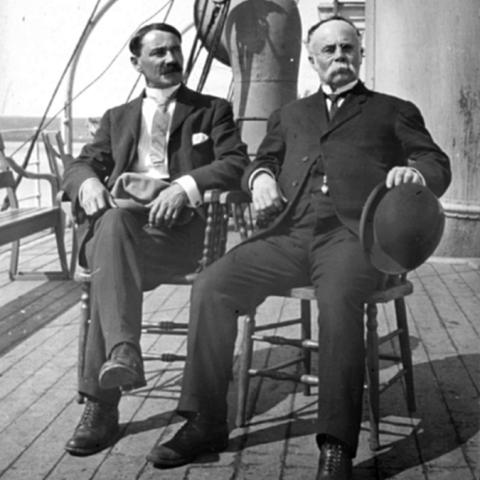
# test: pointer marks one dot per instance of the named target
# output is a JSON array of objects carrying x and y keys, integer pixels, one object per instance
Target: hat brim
[{"x": 377, "y": 257}]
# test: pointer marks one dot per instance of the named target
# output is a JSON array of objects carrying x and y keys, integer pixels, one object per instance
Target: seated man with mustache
[
  {"x": 169, "y": 136},
  {"x": 321, "y": 157}
]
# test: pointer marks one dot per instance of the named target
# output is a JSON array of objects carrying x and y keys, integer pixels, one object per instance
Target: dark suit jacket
[
  {"x": 216, "y": 163},
  {"x": 370, "y": 134}
]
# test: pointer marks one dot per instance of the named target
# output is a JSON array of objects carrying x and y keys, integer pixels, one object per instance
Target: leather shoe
[
  {"x": 335, "y": 461},
  {"x": 196, "y": 437},
  {"x": 123, "y": 370},
  {"x": 97, "y": 429}
]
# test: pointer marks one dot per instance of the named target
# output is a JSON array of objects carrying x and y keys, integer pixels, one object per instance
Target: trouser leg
[
  {"x": 232, "y": 286},
  {"x": 343, "y": 280},
  {"x": 125, "y": 259}
]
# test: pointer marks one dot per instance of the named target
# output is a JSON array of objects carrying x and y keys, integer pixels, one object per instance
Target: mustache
[
  {"x": 343, "y": 64},
  {"x": 172, "y": 68}
]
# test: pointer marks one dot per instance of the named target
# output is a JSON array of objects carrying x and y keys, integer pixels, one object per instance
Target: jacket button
[
  {"x": 294, "y": 183},
  {"x": 304, "y": 159}
]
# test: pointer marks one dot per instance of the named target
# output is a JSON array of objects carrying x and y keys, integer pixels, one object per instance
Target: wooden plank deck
[{"x": 38, "y": 411}]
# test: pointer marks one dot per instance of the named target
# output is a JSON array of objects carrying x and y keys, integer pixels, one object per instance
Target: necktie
[
  {"x": 334, "y": 99},
  {"x": 158, "y": 151}
]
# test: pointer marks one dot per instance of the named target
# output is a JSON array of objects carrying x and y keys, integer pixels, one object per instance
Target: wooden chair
[
  {"x": 57, "y": 159},
  {"x": 213, "y": 248},
  {"x": 392, "y": 289},
  {"x": 55, "y": 156},
  {"x": 18, "y": 222}
]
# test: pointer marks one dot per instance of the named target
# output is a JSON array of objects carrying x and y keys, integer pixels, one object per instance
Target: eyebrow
[{"x": 165, "y": 49}]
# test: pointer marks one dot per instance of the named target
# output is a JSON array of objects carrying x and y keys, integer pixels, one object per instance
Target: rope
[{"x": 222, "y": 9}]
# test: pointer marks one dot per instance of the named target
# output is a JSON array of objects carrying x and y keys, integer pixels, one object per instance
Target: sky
[{"x": 38, "y": 38}]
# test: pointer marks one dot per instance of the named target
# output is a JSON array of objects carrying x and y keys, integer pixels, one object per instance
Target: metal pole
[{"x": 67, "y": 128}]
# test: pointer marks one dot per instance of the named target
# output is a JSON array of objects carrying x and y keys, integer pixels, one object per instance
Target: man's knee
[
  {"x": 116, "y": 226},
  {"x": 115, "y": 220},
  {"x": 114, "y": 230}
]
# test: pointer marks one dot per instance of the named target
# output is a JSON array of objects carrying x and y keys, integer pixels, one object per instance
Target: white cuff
[
  {"x": 188, "y": 183},
  {"x": 255, "y": 174},
  {"x": 82, "y": 187}
]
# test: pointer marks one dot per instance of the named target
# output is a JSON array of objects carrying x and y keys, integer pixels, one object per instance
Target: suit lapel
[
  {"x": 351, "y": 107},
  {"x": 184, "y": 105},
  {"x": 134, "y": 114},
  {"x": 316, "y": 115}
]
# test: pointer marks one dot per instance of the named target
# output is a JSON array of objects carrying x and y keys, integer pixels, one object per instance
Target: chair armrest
[
  {"x": 238, "y": 204},
  {"x": 238, "y": 197},
  {"x": 211, "y": 196},
  {"x": 52, "y": 179}
]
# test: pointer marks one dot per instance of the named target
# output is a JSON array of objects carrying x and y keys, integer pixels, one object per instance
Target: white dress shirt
[
  {"x": 144, "y": 164},
  {"x": 327, "y": 90},
  {"x": 153, "y": 98}
]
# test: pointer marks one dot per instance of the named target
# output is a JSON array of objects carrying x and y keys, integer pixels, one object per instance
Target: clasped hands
[
  {"x": 269, "y": 201},
  {"x": 164, "y": 210}
]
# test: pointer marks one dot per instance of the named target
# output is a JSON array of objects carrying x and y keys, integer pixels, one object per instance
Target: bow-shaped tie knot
[{"x": 333, "y": 97}]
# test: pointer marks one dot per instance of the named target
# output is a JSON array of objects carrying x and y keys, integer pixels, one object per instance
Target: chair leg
[
  {"x": 245, "y": 363},
  {"x": 74, "y": 253},
  {"x": 373, "y": 374},
  {"x": 62, "y": 253},
  {"x": 82, "y": 337},
  {"x": 406, "y": 352},
  {"x": 306, "y": 326},
  {"x": 13, "y": 272}
]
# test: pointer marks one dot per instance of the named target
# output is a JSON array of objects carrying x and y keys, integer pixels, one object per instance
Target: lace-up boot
[
  {"x": 335, "y": 462},
  {"x": 97, "y": 429}
]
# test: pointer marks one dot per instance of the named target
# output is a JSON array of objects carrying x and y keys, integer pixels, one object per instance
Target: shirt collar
[
  {"x": 327, "y": 89},
  {"x": 161, "y": 95}
]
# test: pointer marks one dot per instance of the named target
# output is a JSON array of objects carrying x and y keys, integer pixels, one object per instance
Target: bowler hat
[{"x": 400, "y": 227}]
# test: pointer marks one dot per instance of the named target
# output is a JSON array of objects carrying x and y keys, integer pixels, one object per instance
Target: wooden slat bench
[{"x": 17, "y": 223}]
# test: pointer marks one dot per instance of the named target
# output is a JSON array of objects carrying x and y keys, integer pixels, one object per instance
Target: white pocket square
[{"x": 199, "y": 138}]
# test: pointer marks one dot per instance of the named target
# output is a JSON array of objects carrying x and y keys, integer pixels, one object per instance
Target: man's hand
[
  {"x": 265, "y": 194},
  {"x": 166, "y": 208},
  {"x": 95, "y": 198},
  {"x": 398, "y": 175},
  {"x": 267, "y": 198}
]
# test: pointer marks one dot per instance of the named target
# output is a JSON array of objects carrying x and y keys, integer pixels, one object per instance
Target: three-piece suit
[
  {"x": 313, "y": 241},
  {"x": 124, "y": 254}
]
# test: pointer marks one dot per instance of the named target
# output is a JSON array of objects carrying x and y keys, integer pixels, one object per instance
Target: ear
[
  {"x": 136, "y": 64},
  {"x": 313, "y": 62}
]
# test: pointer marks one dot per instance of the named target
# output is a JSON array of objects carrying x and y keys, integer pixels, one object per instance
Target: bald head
[{"x": 335, "y": 51}]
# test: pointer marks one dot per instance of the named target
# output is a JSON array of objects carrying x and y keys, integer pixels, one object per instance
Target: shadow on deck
[{"x": 38, "y": 347}]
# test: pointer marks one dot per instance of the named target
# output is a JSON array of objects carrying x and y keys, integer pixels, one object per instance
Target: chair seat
[
  {"x": 18, "y": 222},
  {"x": 21, "y": 222},
  {"x": 84, "y": 275},
  {"x": 382, "y": 295}
]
